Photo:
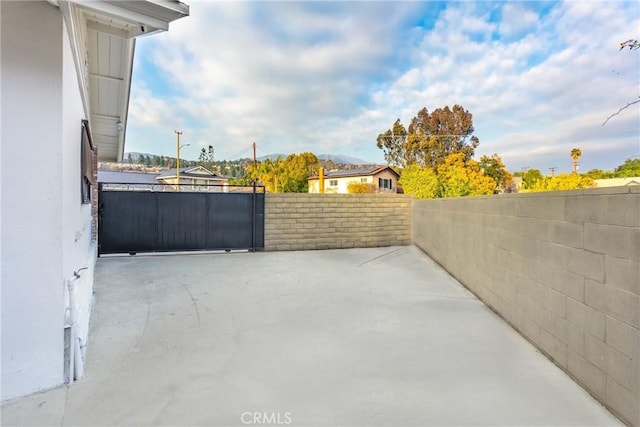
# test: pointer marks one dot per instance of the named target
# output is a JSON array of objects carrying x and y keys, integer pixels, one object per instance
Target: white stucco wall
[
  {"x": 45, "y": 229},
  {"x": 79, "y": 251}
]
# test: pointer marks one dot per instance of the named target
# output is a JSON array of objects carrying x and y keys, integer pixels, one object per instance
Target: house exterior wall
[
  {"x": 617, "y": 182},
  {"x": 46, "y": 231},
  {"x": 299, "y": 221},
  {"x": 79, "y": 245},
  {"x": 562, "y": 267},
  {"x": 343, "y": 182},
  {"x": 196, "y": 184}
]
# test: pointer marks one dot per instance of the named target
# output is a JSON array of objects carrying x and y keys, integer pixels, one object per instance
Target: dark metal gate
[{"x": 158, "y": 221}]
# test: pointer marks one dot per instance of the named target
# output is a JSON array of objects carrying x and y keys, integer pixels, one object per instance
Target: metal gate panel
[
  {"x": 182, "y": 219},
  {"x": 130, "y": 223},
  {"x": 227, "y": 221},
  {"x": 143, "y": 221}
]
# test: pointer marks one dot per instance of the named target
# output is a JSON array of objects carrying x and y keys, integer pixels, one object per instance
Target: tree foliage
[
  {"x": 393, "y": 143},
  {"x": 598, "y": 174},
  {"x": 361, "y": 188},
  {"x": 493, "y": 167},
  {"x": 286, "y": 175},
  {"x": 530, "y": 178},
  {"x": 460, "y": 177},
  {"x": 422, "y": 183},
  {"x": 630, "y": 168},
  {"x": 455, "y": 177},
  {"x": 206, "y": 159},
  {"x": 297, "y": 169},
  {"x": 563, "y": 181},
  {"x": 430, "y": 138}
]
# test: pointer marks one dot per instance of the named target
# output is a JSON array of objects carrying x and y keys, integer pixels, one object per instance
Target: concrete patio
[{"x": 353, "y": 337}]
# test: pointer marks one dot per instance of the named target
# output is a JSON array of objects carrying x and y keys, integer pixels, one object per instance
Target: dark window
[
  {"x": 333, "y": 183},
  {"x": 86, "y": 160},
  {"x": 384, "y": 184}
]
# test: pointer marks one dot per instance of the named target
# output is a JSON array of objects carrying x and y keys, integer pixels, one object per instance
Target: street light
[{"x": 178, "y": 147}]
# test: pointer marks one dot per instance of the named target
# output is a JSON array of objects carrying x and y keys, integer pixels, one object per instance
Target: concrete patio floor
[{"x": 353, "y": 337}]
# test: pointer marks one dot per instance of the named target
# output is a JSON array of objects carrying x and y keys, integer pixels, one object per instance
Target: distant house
[
  {"x": 193, "y": 178},
  {"x": 383, "y": 178},
  {"x": 127, "y": 180},
  {"x": 617, "y": 182}
]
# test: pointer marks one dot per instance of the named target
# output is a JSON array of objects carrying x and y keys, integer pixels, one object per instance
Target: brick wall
[
  {"x": 563, "y": 268},
  {"x": 332, "y": 221}
]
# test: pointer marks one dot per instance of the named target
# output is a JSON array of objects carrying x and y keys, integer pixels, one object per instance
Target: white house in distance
[
  {"x": 383, "y": 178},
  {"x": 617, "y": 182},
  {"x": 65, "y": 77},
  {"x": 195, "y": 178}
]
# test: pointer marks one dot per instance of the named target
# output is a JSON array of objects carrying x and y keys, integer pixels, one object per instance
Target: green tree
[
  {"x": 596, "y": 174},
  {"x": 129, "y": 158},
  {"x": 563, "y": 181},
  {"x": 393, "y": 143},
  {"x": 295, "y": 171},
  {"x": 422, "y": 183},
  {"x": 630, "y": 168},
  {"x": 286, "y": 176},
  {"x": 206, "y": 158},
  {"x": 267, "y": 173},
  {"x": 530, "y": 178},
  {"x": 431, "y": 137},
  {"x": 493, "y": 167},
  {"x": 459, "y": 177}
]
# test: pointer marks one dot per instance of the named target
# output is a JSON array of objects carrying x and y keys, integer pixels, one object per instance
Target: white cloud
[
  {"x": 148, "y": 110},
  {"x": 517, "y": 20},
  {"x": 328, "y": 77}
]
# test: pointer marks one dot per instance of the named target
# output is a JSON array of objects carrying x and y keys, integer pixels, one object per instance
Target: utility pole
[
  {"x": 553, "y": 170},
  {"x": 255, "y": 166},
  {"x": 255, "y": 161},
  {"x": 178, "y": 147},
  {"x": 178, "y": 158}
]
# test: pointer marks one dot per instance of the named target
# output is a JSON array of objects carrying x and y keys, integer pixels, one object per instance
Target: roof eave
[
  {"x": 150, "y": 15},
  {"x": 126, "y": 19}
]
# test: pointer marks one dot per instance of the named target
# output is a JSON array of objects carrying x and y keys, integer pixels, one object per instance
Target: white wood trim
[
  {"x": 120, "y": 11},
  {"x": 78, "y": 39},
  {"x": 130, "y": 48}
]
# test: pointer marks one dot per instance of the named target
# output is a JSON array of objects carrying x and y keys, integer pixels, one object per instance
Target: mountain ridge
[{"x": 336, "y": 158}]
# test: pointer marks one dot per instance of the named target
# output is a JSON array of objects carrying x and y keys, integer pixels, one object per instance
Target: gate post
[
  {"x": 253, "y": 218},
  {"x": 99, "y": 217}
]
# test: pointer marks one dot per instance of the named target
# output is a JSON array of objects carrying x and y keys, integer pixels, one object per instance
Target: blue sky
[{"x": 540, "y": 78}]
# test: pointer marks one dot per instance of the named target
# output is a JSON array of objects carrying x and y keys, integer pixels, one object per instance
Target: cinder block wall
[
  {"x": 296, "y": 221},
  {"x": 563, "y": 268}
]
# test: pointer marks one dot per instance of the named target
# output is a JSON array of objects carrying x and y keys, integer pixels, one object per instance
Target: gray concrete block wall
[
  {"x": 563, "y": 268},
  {"x": 300, "y": 221}
]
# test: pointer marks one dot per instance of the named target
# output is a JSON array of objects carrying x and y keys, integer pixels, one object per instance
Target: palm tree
[{"x": 575, "y": 155}]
